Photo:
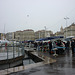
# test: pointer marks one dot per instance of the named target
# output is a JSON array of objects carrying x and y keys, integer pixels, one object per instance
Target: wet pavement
[{"x": 64, "y": 65}]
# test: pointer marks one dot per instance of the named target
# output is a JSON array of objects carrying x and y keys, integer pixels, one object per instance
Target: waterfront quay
[{"x": 49, "y": 65}]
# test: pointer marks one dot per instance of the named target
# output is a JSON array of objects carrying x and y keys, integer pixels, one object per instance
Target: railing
[{"x": 11, "y": 51}]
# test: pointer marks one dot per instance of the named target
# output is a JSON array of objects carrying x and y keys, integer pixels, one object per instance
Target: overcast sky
[{"x": 35, "y": 14}]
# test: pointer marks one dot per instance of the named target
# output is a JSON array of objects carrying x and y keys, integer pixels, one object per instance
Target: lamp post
[
  {"x": 45, "y": 31},
  {"x": 39, "y": 34},
  {"x": 66, "y": 18},
  {"x": 71, "y": 30}
]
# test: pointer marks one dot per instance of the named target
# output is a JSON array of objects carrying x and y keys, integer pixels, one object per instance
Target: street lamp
[
  {"x": 71, "y": 30},
  {"x": 39, "y": 34},
  {"x": 66, "y": 24},
  {"x": 45, "y": 31}
]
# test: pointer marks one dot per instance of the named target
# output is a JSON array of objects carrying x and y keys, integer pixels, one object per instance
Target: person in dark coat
[
  {"x": 67, "y": 45},
  {"x": 50, "y": 47},
  {"x": 73, "y": 46}
]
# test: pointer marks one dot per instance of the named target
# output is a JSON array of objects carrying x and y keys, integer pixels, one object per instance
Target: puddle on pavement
[{"x": 27, "y": 61}]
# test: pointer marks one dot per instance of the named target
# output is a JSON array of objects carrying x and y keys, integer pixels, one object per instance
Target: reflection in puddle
[{"x": 27, "y": 61}]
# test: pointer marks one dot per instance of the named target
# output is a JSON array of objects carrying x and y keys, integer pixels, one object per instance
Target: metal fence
[{"x": 11, "y": 51}]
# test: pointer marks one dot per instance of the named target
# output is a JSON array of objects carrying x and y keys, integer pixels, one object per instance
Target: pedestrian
[
  {"x": 68, "y": 45},
  {"x": 50, "y": 47},
  {"x": 5, "y": 44},
  {"x": 73, "y": 46}
]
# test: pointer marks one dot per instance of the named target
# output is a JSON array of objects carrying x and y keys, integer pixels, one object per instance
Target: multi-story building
[
  {"x": 2, "y": 36},
  {"x": 42, "y": 34},
  {"x": 19, "y": 35},
  {"x": 24, "y": 35},
  {"x": 60, "y": 33},
  {"x": 28, "y": 34},
  {"x": 39, "y": 34},
  {"x": 69, "y": 31},
  {"x": 10, "y": 36}
]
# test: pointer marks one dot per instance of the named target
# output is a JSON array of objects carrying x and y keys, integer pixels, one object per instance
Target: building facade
[
  {"x": 2, "y": 36},
  {"x": 19, "y": 35},
  {"x": 42, "y": 34},
  {"x": 10, "y": 36},
  {"x": 69, "y": 31},
  {"x": 60, "y": 33},
  {"x": 28, "y": 34},
  {"x": 24, "y": 35}
]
